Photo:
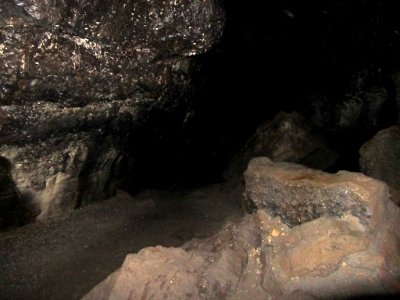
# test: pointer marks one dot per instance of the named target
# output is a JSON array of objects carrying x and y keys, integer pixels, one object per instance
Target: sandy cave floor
[{"x": 63, "y": 258}]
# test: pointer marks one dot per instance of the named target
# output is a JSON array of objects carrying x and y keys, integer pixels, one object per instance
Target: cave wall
[
  {"x": 89, "y": 88},
  {"x": 98, "y": 95}
]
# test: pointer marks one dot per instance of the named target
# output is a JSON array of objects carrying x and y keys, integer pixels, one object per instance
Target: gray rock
[
  {"x": 289, "y": 138},
  {"x": 380, "y": 159},
  {"x": 78, "y": 81}
]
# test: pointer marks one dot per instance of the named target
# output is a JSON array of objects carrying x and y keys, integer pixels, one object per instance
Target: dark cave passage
[
  {"x": 132, "y": 124},
  {"x": 316, "y": 58}
]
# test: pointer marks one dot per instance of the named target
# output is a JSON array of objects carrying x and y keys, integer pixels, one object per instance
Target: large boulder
[
  {"x": 380, "y": 159},
  {"x": 336, "y": 234},
  {"x": 298, "y": 194},
  {"x": 202, "y": 269},
  {"x": 79, "y": 80},
  {"x": 288, "y": 137},
  {"x": 348, "y": 249}
]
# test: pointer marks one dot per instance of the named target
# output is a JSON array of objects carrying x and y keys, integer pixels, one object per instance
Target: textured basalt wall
[{"x": 82, "y": 82}]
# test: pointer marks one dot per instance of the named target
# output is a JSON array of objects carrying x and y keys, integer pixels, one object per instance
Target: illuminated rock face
[
  {"x": 343, "y": 250},
  {"x": 298, "y": 194},
  {"x": 80, "y": 79}
]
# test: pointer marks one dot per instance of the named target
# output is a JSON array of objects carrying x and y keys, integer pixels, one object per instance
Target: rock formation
[
  {"x": 380, "y": 159},
  {"x": 340, "y": 247},
  {"x": 289, "y": 138},
  {"x": 78, "y": 81},
  {"x": 298, "y": 194}
]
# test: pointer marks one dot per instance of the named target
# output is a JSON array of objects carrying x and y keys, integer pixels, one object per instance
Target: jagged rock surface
[
  {"x": 298, "y": 194},
  {"x": 78, "y": 81},
  {"x": 335, "y": 255},
  {"x": 380, "y": 159}
]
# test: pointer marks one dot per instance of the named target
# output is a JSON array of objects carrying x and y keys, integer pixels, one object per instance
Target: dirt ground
[{"x": 63, "y": 258}]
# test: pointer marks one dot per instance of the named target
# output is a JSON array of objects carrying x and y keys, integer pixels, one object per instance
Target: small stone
[{"x": 275, "y": 232}]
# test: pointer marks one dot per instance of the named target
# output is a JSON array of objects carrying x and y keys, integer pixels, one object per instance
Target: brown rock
[
  {"x": 203, "y": 269},
  {"x": 380, "y": 159},
  {"x": 154, "y": 273},
  {"x": 340, "y": 253},
  {"x": 331, "y": 258},
  {"x": 298, "y": 194}
]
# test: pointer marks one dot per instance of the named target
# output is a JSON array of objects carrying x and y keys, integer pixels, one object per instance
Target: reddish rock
[
  {"x": 346, "y": 249},
  {"x": 203, "y": 269}
]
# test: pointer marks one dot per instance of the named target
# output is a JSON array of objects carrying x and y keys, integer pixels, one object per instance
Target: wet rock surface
[
  {"x": 91, "y": 51},
  {"x": 332, "y": 256},
  {"x": 380, "y": 158},
  {"x": 79, "y": 81}
]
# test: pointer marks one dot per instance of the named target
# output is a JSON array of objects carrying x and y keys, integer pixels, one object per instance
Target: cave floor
[{"x": 64, "y": 257}]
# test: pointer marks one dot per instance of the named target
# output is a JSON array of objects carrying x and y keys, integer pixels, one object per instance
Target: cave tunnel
[{"x": 199, "y": 149}]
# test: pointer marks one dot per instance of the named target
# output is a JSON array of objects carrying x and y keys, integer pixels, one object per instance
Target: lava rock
[
  {"x": 380, "y": 159},
  {"x": 87, "y": 51},
  {"x": 79, "y": 80},
  {"x": 330, "y": 257},
  {"x": 298, "y": 194},
  {"x": 200, "y": 270}
]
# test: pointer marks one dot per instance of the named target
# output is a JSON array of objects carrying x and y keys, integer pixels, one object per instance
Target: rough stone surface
[
  {"x": 380, "y": 159},
  {"x": 333, "y": 256},
  {"x": 78, "y": 81},
  {"x": 298, "y": 194},
  {"x": 91, "y": 50},
  {"x": 199, "y": 270}
]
